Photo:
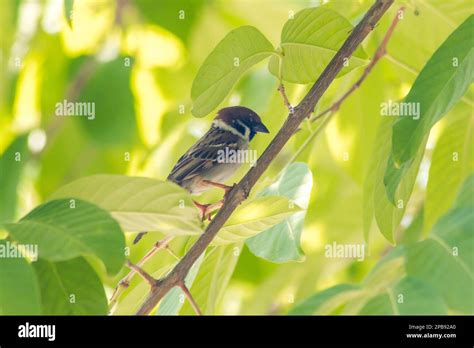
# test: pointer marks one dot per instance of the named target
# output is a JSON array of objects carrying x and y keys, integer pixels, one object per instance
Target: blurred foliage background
[{"x": 137, "y": 59}]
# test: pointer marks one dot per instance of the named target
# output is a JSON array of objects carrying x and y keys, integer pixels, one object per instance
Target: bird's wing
[{"x": 203, "y": 155}]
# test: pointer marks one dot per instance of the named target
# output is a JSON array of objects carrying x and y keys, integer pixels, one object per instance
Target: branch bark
[{"x": 241, "y": 191}]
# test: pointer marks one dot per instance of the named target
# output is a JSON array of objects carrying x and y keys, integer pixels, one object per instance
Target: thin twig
[
  {"x": 171, "y": 252},
  {"x": 190, "y": 298},
  {"x": 145, "y": 275},
  {"x": 125, "y": 282},
  {"x": 241, "y": 191},
  {"x": 379, "y": 53}
]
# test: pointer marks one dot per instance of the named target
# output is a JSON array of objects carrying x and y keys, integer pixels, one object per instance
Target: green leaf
[
  {"x": 443, "y": 80},
  {"x": 257, "y": 89},
  {"x": 11, "y": 165},
  {"x": 395, "y": 174},
  {"x": 281, "y": 242},
  {"x": 376, "y": 202},
  {"x": 137, "y": 203},
  {"x": 213, "y": 277},
  {"x": 68, "y": 6},
  {"x": 253, "y": 217},
  {"x": 64, "y": 229},
  {"x": 446, "y": 259},
  {"x": 174, "y": 299},
  {"x": 451, "y": 162},
  {"x": 465, "y": 197},
  {"x": 70, "y": 288},
  {"x": 113, "y": 121},
  {"x": 19, "y": 290},
  {"x": 414, "y": 230},
  {"x": 388, "y": 270},
  {"x": 236, "y": 53},
  {"x": 308, "y": 43},
  {"x": 408, "y": 296},
  {"x": 335, "y": 295}
]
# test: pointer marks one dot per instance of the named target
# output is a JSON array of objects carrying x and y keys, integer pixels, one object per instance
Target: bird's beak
[{"x": 261, "y": 128}]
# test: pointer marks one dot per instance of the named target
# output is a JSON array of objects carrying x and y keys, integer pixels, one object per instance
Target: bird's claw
[
  {"x": 203, "y": 210},
  {"x": 206, "y": 210}
]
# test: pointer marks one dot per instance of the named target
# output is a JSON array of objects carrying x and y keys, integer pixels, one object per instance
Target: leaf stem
[
  {"x": 145, "y": 275},
  {"x": 281, "y": 89}
]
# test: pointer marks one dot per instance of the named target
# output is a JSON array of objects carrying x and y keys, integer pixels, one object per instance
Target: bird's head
[{"x": 241, "y": 120}]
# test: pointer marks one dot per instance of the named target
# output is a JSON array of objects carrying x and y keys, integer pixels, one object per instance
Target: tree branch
[{"x": 241, "y": 191}]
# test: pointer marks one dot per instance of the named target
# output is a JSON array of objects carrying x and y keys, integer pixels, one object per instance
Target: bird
[{"x": 202, "y": 167}]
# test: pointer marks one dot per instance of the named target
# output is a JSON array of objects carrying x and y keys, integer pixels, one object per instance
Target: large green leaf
[
  {"x": 281, "y": 242},
  {"x": 12, "y": 162},
  {"x": 308, "y": 43},
  {"x": 213, "y": 277},
  {"x": 426, "y": 277},
  {"x": 255, "y": 216},
  {"x": 451, "y": 162},
  {"x": 465, "y": 197},
  {"x": 19, "y": 290},
  {"x": 376, "y": 202},
  {"x": 443, "y": 80},
  {"x": 408, "y": 296},
  {"x": 394, "y": 175},
  {"x": 108, "y": 91},
  {"x": 63, "y": 229},
  {"x": 138, "y": 204},
  {"x": 236, "y": 53},
  {"x": 386, "y": 290},
  {"x": 70, "y": 288},
  {"x": 446, "y": 259}
]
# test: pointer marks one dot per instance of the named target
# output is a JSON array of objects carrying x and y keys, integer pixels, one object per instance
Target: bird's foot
[
  {"x": 202, "y": 209},
  {"x": 206, "y": 210}
]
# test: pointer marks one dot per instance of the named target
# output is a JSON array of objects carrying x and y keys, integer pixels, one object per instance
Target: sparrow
[
  {"x": 199, "y": 169},
  {"x": 202, "y": 168}
]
